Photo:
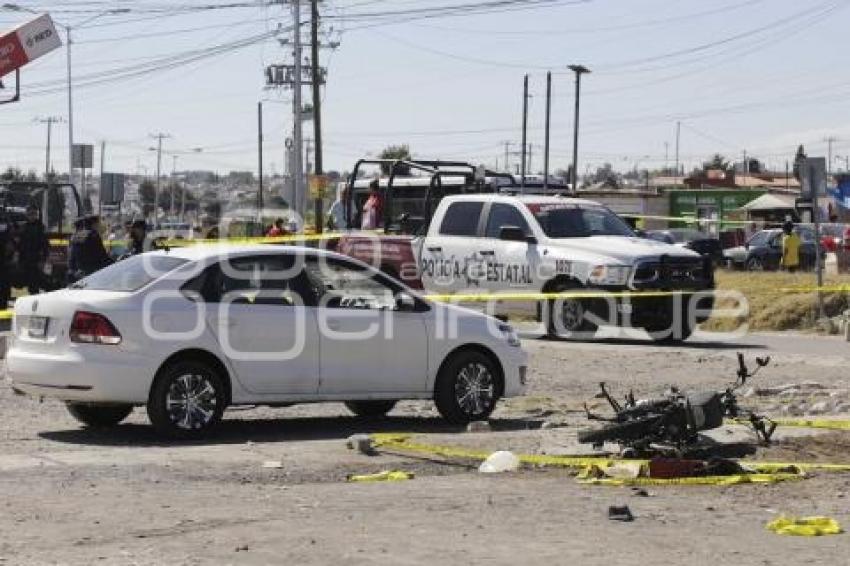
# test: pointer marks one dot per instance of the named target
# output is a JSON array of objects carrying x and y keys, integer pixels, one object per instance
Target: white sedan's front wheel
[
  {"x": 187, "y": 400},
  {"x": 467, "y": 388}
]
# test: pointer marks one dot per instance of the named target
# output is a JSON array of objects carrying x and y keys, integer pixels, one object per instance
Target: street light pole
[{"x": 579, "y": 70}]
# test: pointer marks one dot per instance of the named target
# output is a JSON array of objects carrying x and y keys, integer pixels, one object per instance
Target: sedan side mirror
[
  {"x": 515, "y": 234},
  {"x": 405, "y": 303}
]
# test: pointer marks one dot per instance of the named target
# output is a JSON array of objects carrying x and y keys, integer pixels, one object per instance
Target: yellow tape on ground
[
  {"x": 831, "y": 424},
  {"x": 388, "y": 476},
  {"x": 735, "y": 479},
  {"x": 593, "y": 466},
  {"x": 804, "y": 526},
  {"x": 6, "y": 315},
  {"x": 403, "y": 443}
]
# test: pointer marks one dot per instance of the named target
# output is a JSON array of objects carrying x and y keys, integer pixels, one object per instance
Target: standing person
[
  {"x": 5, "y": 263},
  {"x": 790, "y": 248},
  {"x": 86, "y": 253},
  {"x": 136, "y": 235},
  {"x": 336, "y": 213},
  {"x": 373, "y": 209},
  {"x": 33, "y": 251},
  {"x": 277, "y": 229}
]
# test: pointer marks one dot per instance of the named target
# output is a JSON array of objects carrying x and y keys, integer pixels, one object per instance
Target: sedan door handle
[
  {"x": 435, "y": 249},
  {"x": 487, "y": 252}
]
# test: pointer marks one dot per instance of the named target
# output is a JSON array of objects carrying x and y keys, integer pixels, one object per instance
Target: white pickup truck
[{"x": 502, "y": 244}]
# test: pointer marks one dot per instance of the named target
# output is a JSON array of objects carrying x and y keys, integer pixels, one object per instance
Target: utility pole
[
  {"x": 524, "y": 132},
  {"x": 173, "y": 182},
  {"x": 100, "y": 186},
  {"x": 507, "y": 167},
  {"x": 579, "y": 70},
  {"x": 50, "y": 120},
  {"x": 297, "y": 112},
  {"x": 744, "y": 168},
  {"x": 548, "y": 120},
  {"x": 666, "y": 157},
  {"x": 317, "y": 107},
  {"x": 158, "y": 137},
  {"x": 829, "y": 141},
  {"x": 260, "y": 161},
  {"x": 678, "y": 135}
]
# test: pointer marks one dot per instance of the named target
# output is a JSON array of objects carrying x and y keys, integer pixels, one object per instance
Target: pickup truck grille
[{"x": 674, "y": 273}]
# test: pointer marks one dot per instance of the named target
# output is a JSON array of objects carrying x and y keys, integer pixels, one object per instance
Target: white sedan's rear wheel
[{"x": 187, "y": 400}]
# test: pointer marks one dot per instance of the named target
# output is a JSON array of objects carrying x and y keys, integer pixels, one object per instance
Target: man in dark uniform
[
  {"x": 33, "y": 251},
  {"x": 86, "y": 253},
  {"x": 5, "y": 261},
  {"x": 138, "y": 234}
]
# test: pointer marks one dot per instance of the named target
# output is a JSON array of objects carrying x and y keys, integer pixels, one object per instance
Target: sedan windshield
[
  {"x": 565, "y": 221},
  {"x": 130, "y": 274}
]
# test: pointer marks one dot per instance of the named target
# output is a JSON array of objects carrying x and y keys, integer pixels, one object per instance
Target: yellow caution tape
[
  {"x": 7, "y": 314},
  {"x": 403, "y": 443},
  {"x": 735, "y": 479},
  {"x": 830, "y": 424},
  {"x": 592, "y": 467},
  {"x": 804, "y": 526},
  {"x": 533, "y": 296},
  {"x": 389, "y": 475}
]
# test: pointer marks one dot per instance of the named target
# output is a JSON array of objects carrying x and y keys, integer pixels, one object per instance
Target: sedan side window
[
  {"x": 258, "y": 280},
  {"x": 502, "y": 215},
  {"x": 348, "y": 286}
]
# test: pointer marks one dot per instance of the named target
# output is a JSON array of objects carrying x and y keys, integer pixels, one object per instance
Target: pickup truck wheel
[
  {"x": 667, "y": 330},
  {"x": 566, "y": 317},
  {"x": 467, "y": 388},
  {"x": 370, "y": 409},
  {"x": 99, "y": 416}
]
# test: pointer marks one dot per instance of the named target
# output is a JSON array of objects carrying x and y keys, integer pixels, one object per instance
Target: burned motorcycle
[{"x": 673, "y": 422}]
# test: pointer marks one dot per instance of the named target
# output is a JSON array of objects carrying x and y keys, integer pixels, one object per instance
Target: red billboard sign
[{"x": 26, "y": 43}]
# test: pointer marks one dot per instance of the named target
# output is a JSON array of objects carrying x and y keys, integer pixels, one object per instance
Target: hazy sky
[{"x": 754, "y": 75}]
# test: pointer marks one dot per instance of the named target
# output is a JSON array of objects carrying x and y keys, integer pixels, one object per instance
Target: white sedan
[{"x": 189, "y": 332}]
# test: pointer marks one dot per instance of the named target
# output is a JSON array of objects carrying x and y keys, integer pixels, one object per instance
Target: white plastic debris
[
  {"x": 498, "y": 462},
  {"x": 273, "y": 464}
]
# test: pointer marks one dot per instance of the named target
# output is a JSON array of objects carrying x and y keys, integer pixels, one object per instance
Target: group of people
[{"x": 24, "y": 251}]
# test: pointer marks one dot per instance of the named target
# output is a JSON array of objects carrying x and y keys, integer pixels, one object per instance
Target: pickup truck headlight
[
  {"x": 610, "y": 275},
  {"x": 510, "y": 335}
]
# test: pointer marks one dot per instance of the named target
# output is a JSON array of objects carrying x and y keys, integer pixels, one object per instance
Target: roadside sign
[
  {"x": 111, "y": 188},
  {"x": 83, "y": 156},
  {"x": 813, "y": 177},
  {"x": 27, "y": 43},
  {"x": 318, "y": 186}
]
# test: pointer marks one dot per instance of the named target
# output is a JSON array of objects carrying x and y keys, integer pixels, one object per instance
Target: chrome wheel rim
[
  {"x": 475, "y": 389},
  {"x": 191, "y": 402},
  {"x": 572, "y": 314},
  {"x": 755, "y": 264}
]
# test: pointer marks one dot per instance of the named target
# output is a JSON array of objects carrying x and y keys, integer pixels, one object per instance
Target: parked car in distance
[
  {"x": 700, "y": 242},
  {"x": 191, "y": 331},
  {"x": 763, "y": 251}
]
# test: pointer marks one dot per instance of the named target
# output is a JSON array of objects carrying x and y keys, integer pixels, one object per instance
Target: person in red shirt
[{"x": 277, "y": 229}]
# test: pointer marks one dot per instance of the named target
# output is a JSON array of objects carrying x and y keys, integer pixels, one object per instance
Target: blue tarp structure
[{"x": 842, "y": 190}]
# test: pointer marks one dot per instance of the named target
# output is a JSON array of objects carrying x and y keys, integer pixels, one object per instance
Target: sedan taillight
[{"x": 93, "y": 328}]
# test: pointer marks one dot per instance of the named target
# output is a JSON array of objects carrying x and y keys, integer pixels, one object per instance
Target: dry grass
[{"x": 771, "y": 308}]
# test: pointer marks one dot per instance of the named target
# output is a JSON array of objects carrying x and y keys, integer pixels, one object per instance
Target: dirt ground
[{"x": 70, "y": 496}]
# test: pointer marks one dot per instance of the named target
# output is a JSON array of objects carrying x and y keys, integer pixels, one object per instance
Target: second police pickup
[{"x": 497, "y": 242}]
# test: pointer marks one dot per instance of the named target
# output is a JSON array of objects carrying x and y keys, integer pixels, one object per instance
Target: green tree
[
  {"x": 396, "y": 152},
  {"x": 717, "y": 162}
]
